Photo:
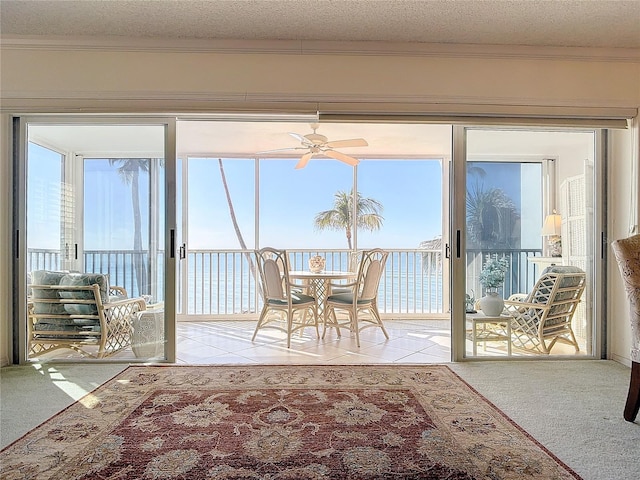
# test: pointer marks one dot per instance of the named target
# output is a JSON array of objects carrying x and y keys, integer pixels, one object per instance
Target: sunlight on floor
[
  {"x": 411, "y": 341},
  {"x": 228, "y": 342},
  {"x": 58, "y": 380}
]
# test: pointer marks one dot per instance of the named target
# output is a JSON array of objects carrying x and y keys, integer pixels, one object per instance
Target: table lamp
[{"x": 552, "y": 228}]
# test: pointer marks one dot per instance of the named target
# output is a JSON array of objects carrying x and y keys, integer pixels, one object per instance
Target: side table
[
  {"x": 489, "y": 329},
  {"x": 147, "y": 337}
]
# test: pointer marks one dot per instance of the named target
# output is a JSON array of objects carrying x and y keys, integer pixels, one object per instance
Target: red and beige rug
[{"x": 281, "y": 422}]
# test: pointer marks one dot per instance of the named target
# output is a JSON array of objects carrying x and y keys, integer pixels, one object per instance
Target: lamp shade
[{"x": 552, "y": 225}]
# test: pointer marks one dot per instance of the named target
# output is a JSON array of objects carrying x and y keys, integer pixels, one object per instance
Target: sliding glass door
[
  {"x": 246, "y": 193},
  {"x": 96, "y": 214},
  {"x": 100, "y": 199},
  {"x": 530, "y": 236}
]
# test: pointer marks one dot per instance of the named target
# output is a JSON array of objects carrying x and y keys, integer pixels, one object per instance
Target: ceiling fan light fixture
[
  {"x": 317, "y": 144},
  {"x": 316, "y": 138}
]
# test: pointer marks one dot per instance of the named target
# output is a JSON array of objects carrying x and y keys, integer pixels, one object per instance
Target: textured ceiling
[{"x": 588, "y": 23}]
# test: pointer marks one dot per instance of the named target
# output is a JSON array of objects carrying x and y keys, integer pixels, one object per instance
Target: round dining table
[{"x": 318, "y": 283}]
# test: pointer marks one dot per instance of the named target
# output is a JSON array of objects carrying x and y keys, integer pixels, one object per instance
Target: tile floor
[
  {"x": 220, "y": 342},
  {"x": 229, "y": 342}
]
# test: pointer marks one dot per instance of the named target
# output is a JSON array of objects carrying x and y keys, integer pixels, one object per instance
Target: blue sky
[
  {"x": 43, "y": 198},
  {"x": 410, "y": 192}
]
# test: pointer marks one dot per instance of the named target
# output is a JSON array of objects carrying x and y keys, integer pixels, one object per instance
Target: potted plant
[
  {"x": 491, "y": 278},
  {"x": 469, "y": 302}
]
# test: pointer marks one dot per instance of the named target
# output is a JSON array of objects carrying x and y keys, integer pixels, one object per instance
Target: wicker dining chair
[
  {"x": 360, "y": 303},
  {"x": 353, "y": 262},
  {"x": 285, "y": 307}
]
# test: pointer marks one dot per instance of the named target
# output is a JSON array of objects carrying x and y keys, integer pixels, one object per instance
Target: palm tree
[
  {"x": 340, "y": 217},
  {"x": 129, "y": 171},
  {"x": 489, "y": 217},
  {"x": 490, "y": 213},
  {"x": 234, "y": 220},
  {"x": 432, "y": 245}
]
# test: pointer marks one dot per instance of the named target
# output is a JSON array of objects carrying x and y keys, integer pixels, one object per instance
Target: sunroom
[{"x": 172, "y": 211}]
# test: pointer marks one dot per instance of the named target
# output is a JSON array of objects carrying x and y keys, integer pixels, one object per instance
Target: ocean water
[{"x": 222, "y": 283}]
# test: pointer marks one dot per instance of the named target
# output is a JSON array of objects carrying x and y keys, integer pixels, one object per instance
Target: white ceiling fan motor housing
[{"x": 316, "y": 138}]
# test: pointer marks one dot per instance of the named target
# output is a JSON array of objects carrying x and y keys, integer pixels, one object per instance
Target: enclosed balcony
[{"x": 103, "y": 210}]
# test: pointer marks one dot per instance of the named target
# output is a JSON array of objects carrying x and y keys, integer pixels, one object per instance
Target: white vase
[{"x": 492, "y": 304}]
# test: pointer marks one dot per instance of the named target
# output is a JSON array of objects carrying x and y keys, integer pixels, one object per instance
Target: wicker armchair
[
  {"x": 75, "y": 311},
  {"x": 116, "y": 291},
  {"x": 285, "y": 307},
  {"x": 627, "y": 254},
  {"x": 543, "y": 317}
]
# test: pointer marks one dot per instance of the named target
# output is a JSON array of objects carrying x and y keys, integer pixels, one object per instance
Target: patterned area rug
[{"x": 272, "y": 422}]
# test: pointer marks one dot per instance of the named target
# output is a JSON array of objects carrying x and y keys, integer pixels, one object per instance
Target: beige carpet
[
  {"x": 574, "y": 408},
  {"x": 324, "y": 422}
]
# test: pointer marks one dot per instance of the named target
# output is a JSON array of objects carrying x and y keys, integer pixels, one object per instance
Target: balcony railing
[{"x": 216, "y": 283}]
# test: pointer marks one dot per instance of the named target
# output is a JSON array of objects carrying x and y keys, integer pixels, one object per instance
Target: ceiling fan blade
[
  {"x": 352, "y": 142},
  {"x": 300, "y": 138},
  {"x": 297, "y": 136},
  {"x": 342, "y": 157},
  {"x": 281, "y": 150},
  {"x": 304, "y": 160}
]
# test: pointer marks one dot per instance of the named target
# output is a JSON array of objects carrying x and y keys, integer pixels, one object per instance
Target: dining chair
[
  {"x": 283, "y": 301},
  {"x": 353, "y": 262},
  {"x": 360, "y": 303}
]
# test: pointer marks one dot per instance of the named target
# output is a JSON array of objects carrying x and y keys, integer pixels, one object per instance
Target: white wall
[
  {"x": 621, "y": 198},
  {"x": 120, "y": 77}
]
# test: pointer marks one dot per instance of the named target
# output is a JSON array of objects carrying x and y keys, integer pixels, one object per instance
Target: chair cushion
[
  {"x": 541, "y": 295},
  {"x": 296, "y": 298},
  {"x": 562, "y": 269},
  {"x": 340, "y": 290},
  {"x": 569, "y": 281},
  {"x": 345, "y": 299},
  {"x": 67, "y": 324},
  {"x": 272, "y": 279},
  {"x": 84, "y": 279},
  {"x": 45, "y": 277}
]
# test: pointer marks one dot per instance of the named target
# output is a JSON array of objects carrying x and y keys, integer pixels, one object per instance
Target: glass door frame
[
  {"x": 458, "y": 228},
  {"x": 19, "y": 244}
]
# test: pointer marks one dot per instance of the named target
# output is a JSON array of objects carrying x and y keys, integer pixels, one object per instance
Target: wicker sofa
[{"x": 79, "y": 311}]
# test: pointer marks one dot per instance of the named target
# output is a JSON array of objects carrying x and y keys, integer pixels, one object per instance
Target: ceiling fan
[{"x": 317, "y": 144}]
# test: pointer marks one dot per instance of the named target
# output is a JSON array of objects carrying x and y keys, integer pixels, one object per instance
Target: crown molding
[{"x": 312, "y": 47}]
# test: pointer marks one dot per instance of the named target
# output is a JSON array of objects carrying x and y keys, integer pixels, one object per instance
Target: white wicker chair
[
  {"x": 360, "y": 303},
  {"x": 285, "y": 307},
  {"x": 543, "y": 317},
  {"x": 75, "y": 311},
  {"x": 353, "y": 264}
]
